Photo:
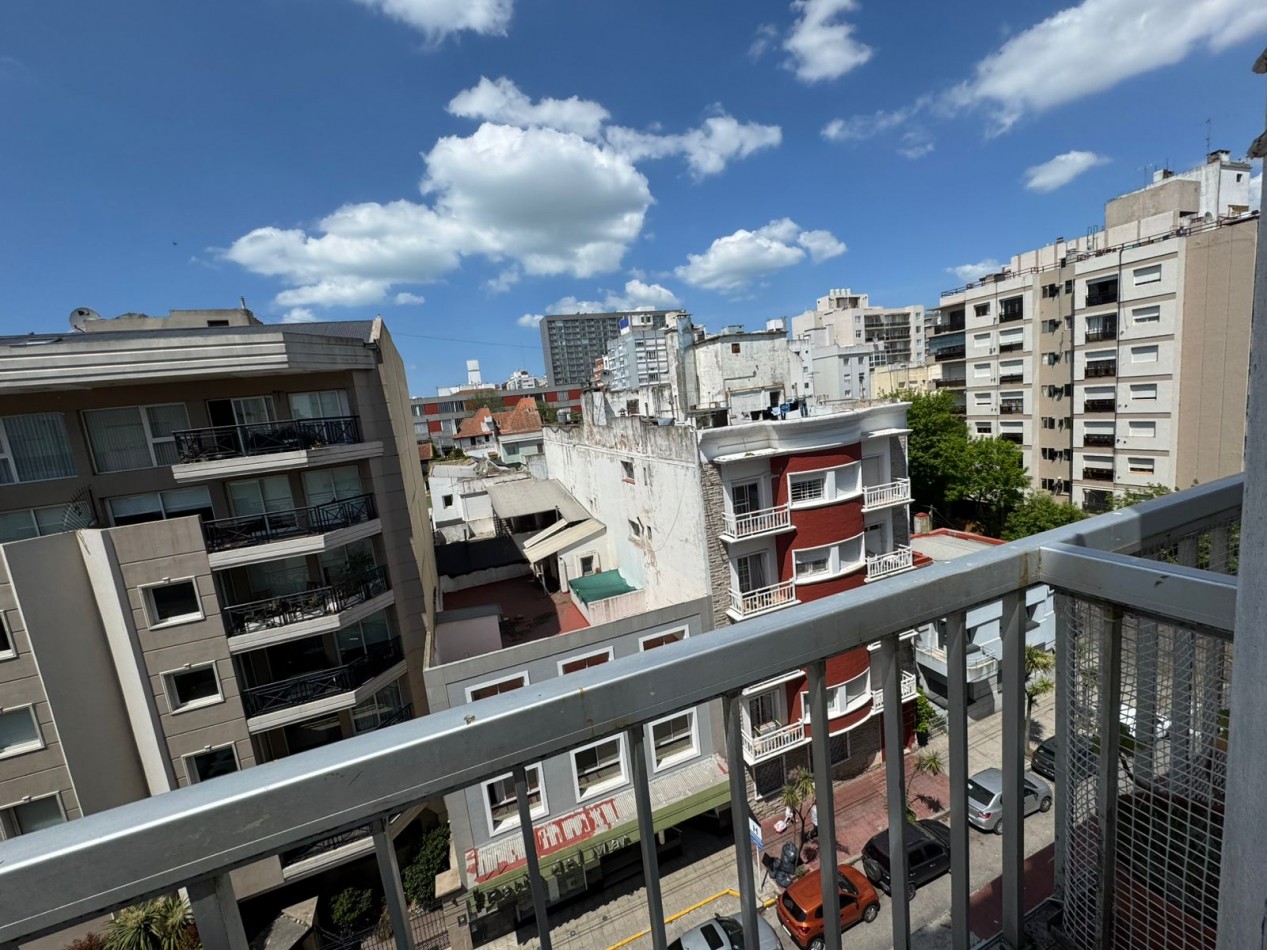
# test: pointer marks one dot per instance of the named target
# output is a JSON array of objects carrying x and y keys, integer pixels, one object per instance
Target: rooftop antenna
[
  {"x": 1207, "y": 136},
  {"x": 241, "y": 303}
]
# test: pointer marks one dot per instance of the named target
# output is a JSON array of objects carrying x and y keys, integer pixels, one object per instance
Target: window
[
  {"x": 1049, "y": 422},
  {"x": 7, "y": 647},
  {"x": 660, "y": 639},
  {"x": 842, "y": 698},
  {"x": 827, "y": 485},
  {"x": 158, "y": 506},
  {"x": 981, "y": 309},
  {"x": 37, "y": 522},
  {"x": 172, "y": 602},
  {"x": 34, "y": 448},
  {"x": 484, "y": 690},
  {"x": 446, "y": 501},
  {"x": 673, "y": 739},
  {"x": 26, "y": 817},
  {"x": 327, "y": 485},
  {"x": 1144, "y": 354},
  {"x": 807, "y": 487},
  {"x": 1142, "y": 429},
  {"x": 983, "y": 399},
  {"x": 1141, "y": 466},
  {"x": 134, "y": 437},
  {"x": 635, "y": 529},
  {"x": 192, "y": 688},
  {"x": 19, "y": 732},
  {"x": 585, "y": 661},
  {"x": 1141, "y": 315},
  {"x": 627, "y": 470},
  {"x": 829, "y": 561},
  {"x": 1147, "y": 275},
  {"x": 981, "y": 370},
  {"x": 211, "y": 763},
  {"x": 1143, "y": 390},
  {"x": 501, "y": 807},
  {"x": 981, "y": 340},
  {"x": 734, "y": 347},
  {"x": 589, "y": 564},
  {"x": 327, "y": 404},
  {"x": 599, "y": 767},
  {"x": 984, "y": 428}
]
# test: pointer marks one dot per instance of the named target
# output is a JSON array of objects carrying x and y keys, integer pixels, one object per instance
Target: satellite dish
[{"x": 80, "y": 316}]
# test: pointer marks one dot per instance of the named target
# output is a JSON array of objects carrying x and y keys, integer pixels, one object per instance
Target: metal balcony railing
[
  {"x": 752, "y": 523},
  {"x": 950, "y": 353},
  {"x": 1011, "y": 347},
  {"x": 746, "y": 603},
  {"x": 953, "y": 383},
  {"x": 224, "y": 534},
  {"x": 1012, "y": 378},
  {"x": 1097, "y": 438},
  {"x": 1107, "y": 331},
  {"x": 1146, "y": 603},
  {"x": 890, "y": 493},
  {"x": 764, "y": 742},
  {"x": 284, "y": 609},
  {"x": 1100, "y": 294},
  {"x": 908, "y": 692},
  {"x": 882, "y": 565},
  {"x": 980, "y": 666},
  {"x": 265, "y": 438},
  {"x": 298, "y": 690},
  {"x": 952, "y": 326},
  {"x": 1099, "y": 405},
  {"x": 1098, "y": 474},
  {"x": 1011, "y": 407},
  {"x": 1096, "y": 370}
]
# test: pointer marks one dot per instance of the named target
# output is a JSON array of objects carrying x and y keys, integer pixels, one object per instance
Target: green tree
[
  {"x": 1039, "y": 665},
  {"x": 938, "y": 436},
  {"x": 163, "y": 924},
  {"x": 485, "y": 399},
  {"x": 1036, "y": 513},
  {"x": 1133, "y": 496},
  {"x": 991, "y": 475},
  {"x": 548, "y": 413},
  {"x": 798, "y": 795}
]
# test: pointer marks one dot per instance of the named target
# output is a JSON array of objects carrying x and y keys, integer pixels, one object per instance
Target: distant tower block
[{"x": 473, "y": 373}]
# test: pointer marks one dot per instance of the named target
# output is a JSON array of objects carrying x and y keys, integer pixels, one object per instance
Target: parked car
[
  {"x": 927, "y": 855},
  {"x": 725, "y": 933},
  {"x": 800, "y": 907},
  {"x": 1043, "y": 761},
  {"x": 985, "y": 798}
]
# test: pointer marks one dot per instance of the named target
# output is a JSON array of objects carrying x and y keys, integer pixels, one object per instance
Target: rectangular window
[
  {"x": 981, "y": 370},
  {"x": 26, "y": 817},
  {"x": 983, "y": 399},
  {"x": 673, "y": 739},
  {"x": 1142, "y": 429},
  {"x": 192, "y": 688},
  {"x": 7, "y": 647},
  {"x": 981, "y": 309},
  {"x": 501, "y": 805},
  {"x": 981, "y": 340},
  {"x": 211, "y": 763},
  {"x": 635, "y": 529},
  {"x": 37, "y": 522},
  {"x": 584, "y": 662},
  {"x": 1147, "y": 275},
  {"x": 1141, "y": 466},
  {"x": 599, "y": 767},
  {"x": 984, "y": 428},
  {"x": 134, "y": 437},
  {"x": 1144, "y": 354},
  {"x": 34, "y": 448},
  {"x": 327, "y": 485},
  {"x": 829, "y": 560},
  {"x": 1141, "y": 315},
  {"x": 807, "y": 487},
  {"x": 19, "y": 732},
  {"x": 1143, "y": 390},
  {"x": 627, "y": 470},
  {"x": 810, "y": 563},
  {"x": 327, "y": 404},
  {"x": 484, "y": 690},
  {"x": 172, "y": 603},
  {"x": 158, "y": 506},
  {"x": 589, "y": 564},
  {"x": 661, "y": 639},
  {"x": 446, "y": 501}
]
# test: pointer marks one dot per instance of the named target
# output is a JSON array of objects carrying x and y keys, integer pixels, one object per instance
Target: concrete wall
[
  {"x": 460, "y": 637},
  {"x": 763, "y": 363}
]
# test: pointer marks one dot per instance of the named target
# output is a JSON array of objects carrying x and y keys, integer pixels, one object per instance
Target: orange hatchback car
[{"x": 801, "y": 906}]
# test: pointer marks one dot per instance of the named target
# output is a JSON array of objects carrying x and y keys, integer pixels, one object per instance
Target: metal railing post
[
  {"x": 895, "y": 769},
  {"x": 820, "y": 754},
  {"x": 1014, "y": 743},
  {"x": 216, "y": 914},
  {"x": 1110, "y": 690},
  {"x": 731, "y": 706},
  {"x": 393, "y": 890},
  {"x": 957, "y": 722},
  {"x": 647, "y": 835},
  {"x": 530, "y": 853}
]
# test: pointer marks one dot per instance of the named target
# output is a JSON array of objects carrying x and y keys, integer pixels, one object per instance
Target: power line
[{"x": 453, "y": 339}]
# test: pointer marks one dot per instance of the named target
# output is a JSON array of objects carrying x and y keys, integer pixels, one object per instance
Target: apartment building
[
  {"x": 215, "y": 554},
  {"x": 437, "y": 419},
  {"x": 639, "y": 354},
  {"x": 1119, "y": 359},
  {"x": 894, "y": 335},
  {"x": 572, "y": 343}
]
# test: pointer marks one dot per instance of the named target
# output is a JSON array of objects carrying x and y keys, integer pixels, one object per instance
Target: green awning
[{"x": 600, "y": 586}]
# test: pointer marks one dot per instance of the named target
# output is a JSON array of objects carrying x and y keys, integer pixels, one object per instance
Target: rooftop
[
  {"x": 528, "y": 612},
  {"x": 945, "y": 544}
]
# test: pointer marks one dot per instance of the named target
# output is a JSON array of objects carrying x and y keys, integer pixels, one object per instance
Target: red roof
[
  {"x": 523, "y": 419},
  {"x": 426, "y": 451},
  {"x": 473, "y": 426}
]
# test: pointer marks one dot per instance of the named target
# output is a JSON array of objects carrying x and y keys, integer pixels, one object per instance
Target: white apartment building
[{"x": 895, "y": 335}]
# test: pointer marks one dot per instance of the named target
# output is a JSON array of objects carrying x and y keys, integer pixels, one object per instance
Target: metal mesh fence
[
  {"x": 1141, "y": 838},
  {"x": 1215, "y": 546}
]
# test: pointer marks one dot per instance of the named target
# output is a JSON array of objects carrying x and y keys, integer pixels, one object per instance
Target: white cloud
[
  {"x": 718, "y": 140},
  {"x": 861, "y": 127},
  {"x": 1060, "y": 170},
  {"x": 767, "y": 34},
  {"x": 970, "y": 272},
  {"x": 403, "y": 299},
  {"x": 637, "y": 296},
  {"x": 501, "y": 101},
  {"x": 1091, "y": 47},
  {"x": 299, "y": 315},
  {"x": 821, "y": 46},
  {"x": 916, "y": 143},
  {"x": 530, "y": 320},
  {"x": 503, "y": 281},
  {"x": 438, "y": 18},
  {"x": 733, "y": 262},
  {"x": 548, "y": 201},
  {"x": 1256, "y": 192}
]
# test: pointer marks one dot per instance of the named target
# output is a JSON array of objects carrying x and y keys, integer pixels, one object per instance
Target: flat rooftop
[
  {"x": 945, "y": 544},
  {"x": 528, "y": 613}
]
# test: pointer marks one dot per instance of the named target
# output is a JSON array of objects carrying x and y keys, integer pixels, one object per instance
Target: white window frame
[
  {"x": 512, "y": 823},
  {"x": 34, "y": 745},
  {"x": 596, "y": 566},
  {"x": 8, "y": 646},
  {"x": 1144, "y": 391},
  {"x": 1147, "y": 427},
  {"x": 984, "y": 428},
  {"x": 806, "y": 479},
  {"x": 148, "y": 602},
  {"x": 1135, "y": 466},
  {"x": 836, "y": 706},
  {"x": 521, "y": 675},
  {"x": 836, "y": 567},
  {"x": 606, "y": 652},
  {"x": 832, "y": 477},
  {"x": 658, "y": 765},
  {"x": 660, "y": 634},
  {"x": 1140, "y": 354},
  {"x": 8, "y": 821},
  {"x": 1148, "y": 274},
  {"x": 1145, "y": 315},
  {"x": 191, "y": 773},
  {"x": 169, "y": 689},
  {"x": 150, "y": 439},
  {"x": 611, "y": 783}
]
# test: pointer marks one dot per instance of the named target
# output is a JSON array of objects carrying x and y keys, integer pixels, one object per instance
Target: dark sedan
[{"x": 927, "y": 855}]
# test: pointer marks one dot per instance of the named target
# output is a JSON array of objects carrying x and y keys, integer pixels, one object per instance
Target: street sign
[{"x": 754, "y": 832}]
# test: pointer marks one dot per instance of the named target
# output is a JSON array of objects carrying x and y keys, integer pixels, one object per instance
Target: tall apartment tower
[
  {"x": 895, "y": 335},
  {"x": 1120, "y": 359},
  {"x": 571, "y": 343},
  {"x": 214, "y": 553}
]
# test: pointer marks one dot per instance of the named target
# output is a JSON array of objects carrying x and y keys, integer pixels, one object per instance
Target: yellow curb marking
[{"x": 729, "y": 892}]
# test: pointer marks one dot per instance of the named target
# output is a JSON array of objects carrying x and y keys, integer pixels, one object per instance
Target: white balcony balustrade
[
  {"x": 748, "y": 603},
  {"x": 751, "y": 524},
  {"x": 883, "y": 565},
  {"x": 882, "y": 496}
]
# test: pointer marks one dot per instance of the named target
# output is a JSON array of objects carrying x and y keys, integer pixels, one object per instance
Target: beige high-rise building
[
  {"x": 1120, "y": 359},
  {"x": 214, "y": 552}
]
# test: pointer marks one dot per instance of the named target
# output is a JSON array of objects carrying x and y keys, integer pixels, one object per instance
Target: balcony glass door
[
  {"x": 251, "y": 410},
  {"x": 360, "y": 639},
  {"x": 764, "y": 709},
  {"x": 257, "y": 496},
  {"x": 745, "y": 497},
  {"x": 332, "y": 484},
  {"x": 750, "y": 572},
  {"x": 331, "y": 403}
]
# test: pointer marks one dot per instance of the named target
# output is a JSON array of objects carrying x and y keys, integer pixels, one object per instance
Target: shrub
[
  {"x": 352, "y": 909},
  {"x": 163, "y": 924},
  {"x": 88, "y": 942},
  {"x": 419, "y": 878}
]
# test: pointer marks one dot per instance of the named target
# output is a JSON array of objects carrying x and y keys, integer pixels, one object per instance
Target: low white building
[{"x": 460, "y": 507}]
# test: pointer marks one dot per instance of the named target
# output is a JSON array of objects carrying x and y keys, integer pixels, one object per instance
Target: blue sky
[{"x": 460, "y": 166}]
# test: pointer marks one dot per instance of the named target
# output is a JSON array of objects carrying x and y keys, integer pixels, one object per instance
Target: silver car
[
  {"x": 985, "y": 798},
  {"x": 725, "y": 933}
]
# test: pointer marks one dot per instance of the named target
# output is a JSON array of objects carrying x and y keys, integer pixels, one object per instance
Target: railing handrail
[
  {"x": 320, "y": 601},
  {"x": 55, "y": 877},
  {"x": 265, "y": 438},
  {"x": 224, "y": 533}
]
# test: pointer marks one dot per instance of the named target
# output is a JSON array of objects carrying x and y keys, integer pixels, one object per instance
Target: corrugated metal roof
[
  {"x": 533, "y": 496},
  {"x": 552, "y": 541}
]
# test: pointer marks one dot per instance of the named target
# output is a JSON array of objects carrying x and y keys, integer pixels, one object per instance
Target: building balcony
[
  {"x": 231, "y": 451},
  {"x": 321, "y": 684},
  {"x": 1102, "y": 295},
  {"x": 1011, "y": 407},
  {"x": 951, "y": 326},
  {"x": 1097, "y": 438},
  {"x": 1011, "y": 315},
  {"x": 752, "y": 524},
  {"x": 753, "y": 602},
  {"x": 1147, "y": 629},
  {"x": 883, "y": 496},
  {"x": 980, "y": 666},
  {"x": 950, "y": 353},
  {"x": 952, "y": 383},
  {"x": 1015, "y": 438},
  {"x": 1011, "y": 347},
  {"x": 1099, "y": 405},
  {"x": 296, "y": 531},
  {"x": 272, "y": 619},
  {"x": 1007, "y": 378},
  {"x": 909, "y": 692},
  {"x": 1100, "y": 370},
  {"x": 767, "y": 740},
  {"x": 1097, "y": 474},
  {"x": 884, "y": 565},
  {"x": 1106, "y": 331},
  {"x": 1097, "y": 502}
]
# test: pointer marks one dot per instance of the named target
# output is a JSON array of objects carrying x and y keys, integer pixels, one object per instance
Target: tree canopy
[
  {"x": 936, "y": 443},
  {"x": 1036, "y": 513},
  {"x": 991, "y": 475},
  {"x": 1133, "y": 496}
]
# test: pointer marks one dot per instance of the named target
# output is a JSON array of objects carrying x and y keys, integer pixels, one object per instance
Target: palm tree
[
  {"x": 163, "y": 924},
  {"x": 1038, "y": 663},
  {"x": 926, "y": 763},
  {"x": 798, "y": 795}
]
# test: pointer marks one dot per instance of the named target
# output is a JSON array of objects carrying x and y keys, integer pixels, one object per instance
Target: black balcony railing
[
  {"x": 265, "y": 438},
  {"x": 1098, "y": 405},
  {"x": 273, "y": 612},
  {"x": 1007, "y": 316},
  {"x": 1012, "y": 378},
  {"x": 1097, "y": 438},
  {"x": 403, "y": 714},
  {"x": 1014, "y": 437},
  {"x": 950, "y": 353},
  {"x": 1100, "y": 294},
  {"x": 1011, "y": 347},
  {"x": 1011, "y": 407},
  {"x": 951, "y": 326},
  {"x": 950, "y": 383},
  {"x": 1104, "y": 368},
  {"x": 310, "y": 686},
  {"x": 1098, "y": 474},
  {"x": 1096, "y": 502},
  {"x": 1105, "y": 331},
  {"x": 227, "y": 533}
]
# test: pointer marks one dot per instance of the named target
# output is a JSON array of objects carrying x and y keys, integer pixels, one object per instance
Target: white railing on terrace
[
  {"x": 764, "y": 598},
  {"x": 758, "y": 746},
  {"x": 980, "y": 667},
  {"x": 891, "y": 493},
  {"x": 908, "y": 693},
  {"x": 882, "y": 565},
  {"x": 193, "y": 837},
  {"x": 758, "y": 522}
]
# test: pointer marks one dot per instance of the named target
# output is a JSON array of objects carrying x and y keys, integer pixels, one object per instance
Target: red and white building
[{"x": 438, "y": 418}]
